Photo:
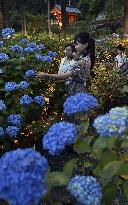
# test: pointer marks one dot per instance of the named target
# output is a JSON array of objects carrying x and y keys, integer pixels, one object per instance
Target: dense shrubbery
[
  {"x": 21, "y": 93},
  {"x": 108, "y": 82}
]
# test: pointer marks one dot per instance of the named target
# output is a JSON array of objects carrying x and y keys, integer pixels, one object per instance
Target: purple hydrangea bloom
[
  {"x": 22, "y": 177},
  {"x": 59, "y": 135},
  {"x": 86, "y": 190}
]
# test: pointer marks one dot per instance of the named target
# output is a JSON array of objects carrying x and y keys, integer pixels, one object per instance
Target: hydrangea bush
[
  {"x": 108, "y": 81},
  {"x": 21, "y": 93}
]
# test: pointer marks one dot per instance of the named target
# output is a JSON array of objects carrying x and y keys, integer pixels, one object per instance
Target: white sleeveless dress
[{"x": 66, "y": 67}]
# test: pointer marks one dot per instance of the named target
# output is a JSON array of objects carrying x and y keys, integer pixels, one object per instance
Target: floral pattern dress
[{"x": 80, "y": 75}]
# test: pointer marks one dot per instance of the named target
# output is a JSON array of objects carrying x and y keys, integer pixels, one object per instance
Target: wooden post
[
  {"x": 4, "y": 13},
  {"x": 1, "y": 18},
  {"x": 63, "y": 18},
  {"x": 126, "y": 18},
  {"x": 49, "y": 20},
  {"x": 24, "y": 23}
]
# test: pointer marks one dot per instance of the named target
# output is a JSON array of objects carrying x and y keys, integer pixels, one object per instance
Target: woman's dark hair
[
  {"x": 84, "y": 37},
  {"x": 72, "y": 46},
  {"x": 120, "y": 47}
]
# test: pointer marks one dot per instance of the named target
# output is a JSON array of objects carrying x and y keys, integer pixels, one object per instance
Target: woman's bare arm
[{"x": 64, "y": 76}]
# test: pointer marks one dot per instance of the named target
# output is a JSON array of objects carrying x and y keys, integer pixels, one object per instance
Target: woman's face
[
  {"x": 68, "y": 51},
  {"x": 80, "y": 47},
  {"x": 75, "y": 55}
]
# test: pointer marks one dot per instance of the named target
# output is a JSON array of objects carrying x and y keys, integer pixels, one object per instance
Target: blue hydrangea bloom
[
  {"x": 40, "y": 47},
  {"x": 119, "y": 112},
  {"x": 14, "y": 119},
  {"x": 3, "y": 57},
  {"x": 52, "y": 54},
  {"x": 30, "y": 73},
  {"x": 86, "y": 190},
  {"x": 12, "y": 131},
  {"x": 22, "y": 177},
  {"x": 38, "y": 56},
  {"x": 1, "y": 43},
  {"x": 23, "y": 85},
  {"x": 47, "y": 58},
  {"x": 26, "y": 100},
  {"x": 2, "y": 105},
  {"x": 24, "y": 40},
  {"x": 44, "y": 58},
  {"x": 17, "y": 48},
  {"x": 109, "y": 125},
  {"x": 11, "y": 86},
  {"x": 1, "y": 131},
  {"x": 79, "y": 103},
  {"x": 39, "y": 100},
  {"x": 32, "y": 45},
  {"x": 98, "y": 41},
  {"x": 7, "y": 32},
  {"x": 59, "y": 135},
  {"x": 115, "y": 35},
  {"x": 29, "y": 50}
]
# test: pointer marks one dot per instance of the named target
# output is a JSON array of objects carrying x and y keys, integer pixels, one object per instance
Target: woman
[
  {"x": 121, "y": 59},
  {"x": 68, "y": 61},
  {"x": 80, "y": 72}
]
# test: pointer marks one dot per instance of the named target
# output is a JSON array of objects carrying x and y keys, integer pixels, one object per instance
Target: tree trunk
[
  {"x": 1, "y": 17},
  {"x": 126, "y": 18},
  {"x": 49, "y": 21},
  {"x": 4, "y": 14},
  {"x": 24, "y": 23},
  {"x": 63, "y": 18}
]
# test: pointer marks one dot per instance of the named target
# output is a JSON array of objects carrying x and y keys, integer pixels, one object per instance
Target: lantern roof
[{"x": 68, "y": 9}]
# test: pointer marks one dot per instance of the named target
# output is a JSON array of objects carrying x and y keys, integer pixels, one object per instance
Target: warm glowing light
[{"x": 16, "y": 141}]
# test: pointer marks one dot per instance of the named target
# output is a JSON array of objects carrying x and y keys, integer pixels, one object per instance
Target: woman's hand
[{"x": 41, "y": 75}]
